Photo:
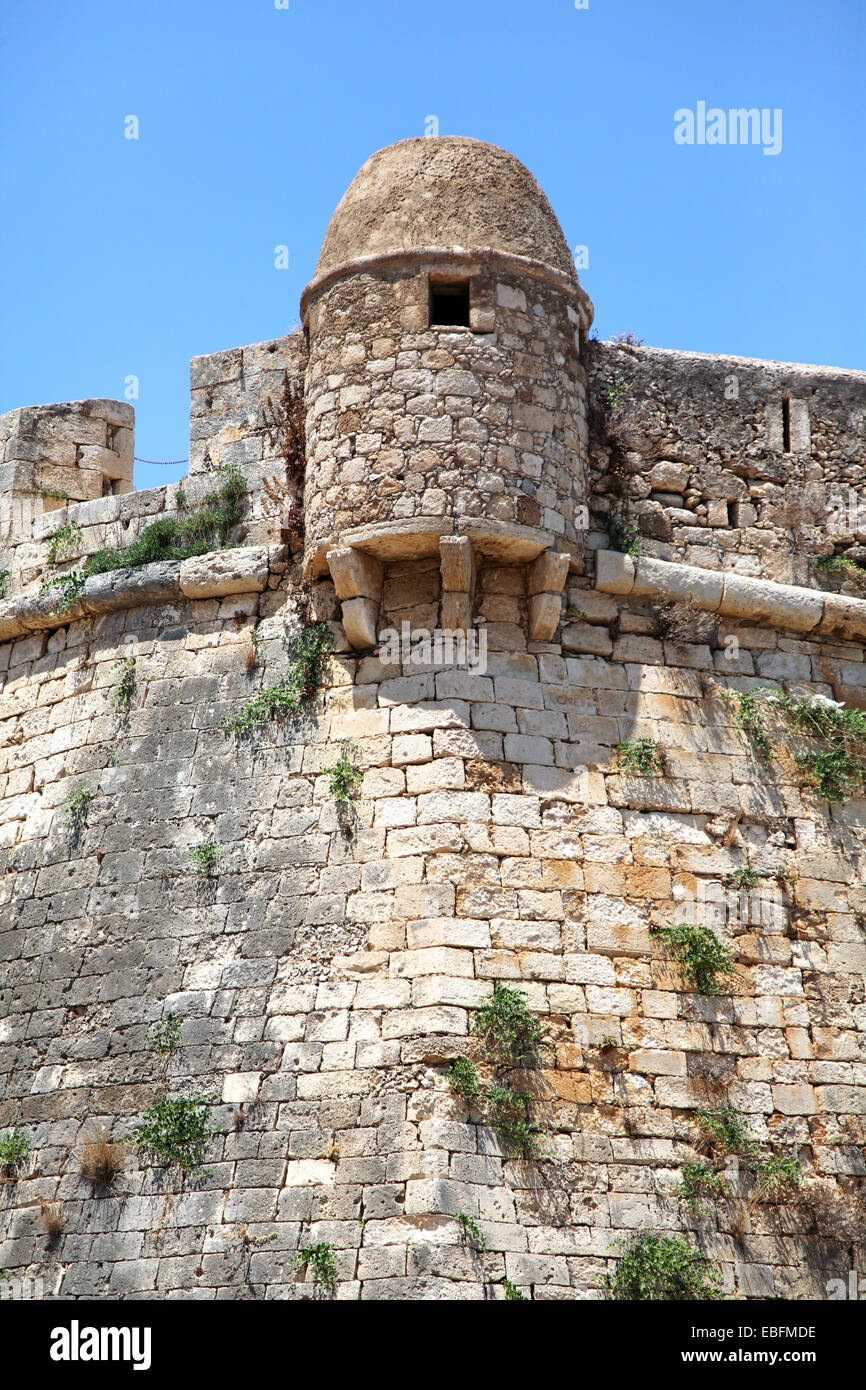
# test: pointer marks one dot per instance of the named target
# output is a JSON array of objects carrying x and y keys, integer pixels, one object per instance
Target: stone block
[
  {"x": 456, "y": 612},
  {"x": 239, "y": 570},
  {"x": 360, "y": 622},
  {"x": 544, "y": 614},
  {"x": 355, "y": 574},
  {"x": 457, "y": 564}
]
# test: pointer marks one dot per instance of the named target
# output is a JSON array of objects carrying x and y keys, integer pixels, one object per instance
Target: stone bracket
[
  {"x": 457, "y": 563},
  {"x": 546, "y": 578},
  {"x": 358, "y": 581}
]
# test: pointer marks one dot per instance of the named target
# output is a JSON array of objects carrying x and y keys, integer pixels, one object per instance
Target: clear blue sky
[{"x": 128, "y": 257}]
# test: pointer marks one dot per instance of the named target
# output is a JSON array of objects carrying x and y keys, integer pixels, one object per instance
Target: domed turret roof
[{"x": 445, "y": 193}]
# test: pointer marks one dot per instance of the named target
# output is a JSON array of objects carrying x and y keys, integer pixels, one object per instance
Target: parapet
[{"x": 52, "y": 455}]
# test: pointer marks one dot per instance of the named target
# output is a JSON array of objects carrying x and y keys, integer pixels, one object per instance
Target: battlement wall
[{"x": 726, "y": 462}]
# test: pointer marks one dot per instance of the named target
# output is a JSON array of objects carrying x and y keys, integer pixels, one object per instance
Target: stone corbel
[
  {"x": 547, "y": 576},
  {"x": 458, "y": 582},
  {"x": 358, "y": 581}
]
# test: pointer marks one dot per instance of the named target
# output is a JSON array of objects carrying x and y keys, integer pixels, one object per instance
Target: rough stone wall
[
  {"x": 231, "y": 398},
  {"x": 408, "y": 421},
  {"x": 697, "y": 451},
  {"x": 325, "y": 978},
  {"x": 51, "y": 455}
]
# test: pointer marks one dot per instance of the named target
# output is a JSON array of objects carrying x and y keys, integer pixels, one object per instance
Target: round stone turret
[{"x": 445, "y": 394}]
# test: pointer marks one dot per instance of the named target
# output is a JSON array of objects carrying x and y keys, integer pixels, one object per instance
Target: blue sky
[{"x": 127, "y": 257}]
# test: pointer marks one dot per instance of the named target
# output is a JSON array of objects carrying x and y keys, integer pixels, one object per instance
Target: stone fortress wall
[{"x": 327, "y": 974}]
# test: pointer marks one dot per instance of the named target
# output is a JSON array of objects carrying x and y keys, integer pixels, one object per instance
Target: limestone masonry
[{"x": 637, "y": 534}]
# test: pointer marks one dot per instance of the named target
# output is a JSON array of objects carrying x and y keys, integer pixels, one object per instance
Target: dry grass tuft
[
  {"x": 51, "y": 1214},
  {"x": 100, "y": 1160}
]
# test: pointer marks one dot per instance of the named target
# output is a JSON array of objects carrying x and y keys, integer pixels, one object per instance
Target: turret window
[{"x": 449, "y": 304}]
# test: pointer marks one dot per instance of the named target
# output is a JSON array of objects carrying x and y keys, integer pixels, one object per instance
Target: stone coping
[
  {"x": 488, "y": 258},
  {"x": 413, "y": 538},
  {"x": 761, "y": 601},
  {"x": 240, "y": 570}
]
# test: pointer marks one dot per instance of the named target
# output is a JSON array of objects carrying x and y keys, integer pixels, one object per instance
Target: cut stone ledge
[
  {"x": 241, "y": 570},
  {"x": 415, "y": 538},
  {"x": 787, "y": 606},
  {"x": 235, "y": 571}
]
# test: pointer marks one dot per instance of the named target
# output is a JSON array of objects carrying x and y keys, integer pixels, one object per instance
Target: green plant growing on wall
[
  {"x": 320, "y": 1258},
  {"x": 726, "y": 1131},
  {"x": 510, "y": 1036},
  {"x": 124, "y": 689},
  {"x": 165, "y": 1036},
  {"x": 14, "y": 1148},
  {"x": 749, "y": 717},
  {"x": 54, "y": 494},
  {"x": 61, "y": 542},
  {"x": 662, "y": 1269},
  {"x": 642, "y": 756},
  {"x": 207, "y": 527},
  {"x": 516, "y": 1131},
  {"x": 205, "y": 858},
  {"x": 176, "y": 1129},
  {"x": 842, "y": 565},
  {"x": 470, "y": 1232},
  {"x": 344, "y": 778},
  {"x": 837, "y": 773},
  {"x": 837, "y": 767},
  {"x": 69, "y": 587},
  {"x": 777, "y": 1177},
  {"x": 623, "y": 535},
  {"x": 705, "y": 961},
  {"x": 838, "y": 770},
  {"x": 464, "y": 1078},
  {"x": 512, "y": 1293},
  {"x": 295, "y": 690},
  {"x": 697, "y": 1182},
  {"x": 744, "y": 878},
  {"x": 507, "y": 1028},
  {"x": 4, "y": 581},
  {"x": 75, "y": 809}
]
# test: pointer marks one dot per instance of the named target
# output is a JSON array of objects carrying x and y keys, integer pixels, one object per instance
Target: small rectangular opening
[
  {"x": 786, "y": 424},
  {"x": 449, "y": 304}
]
